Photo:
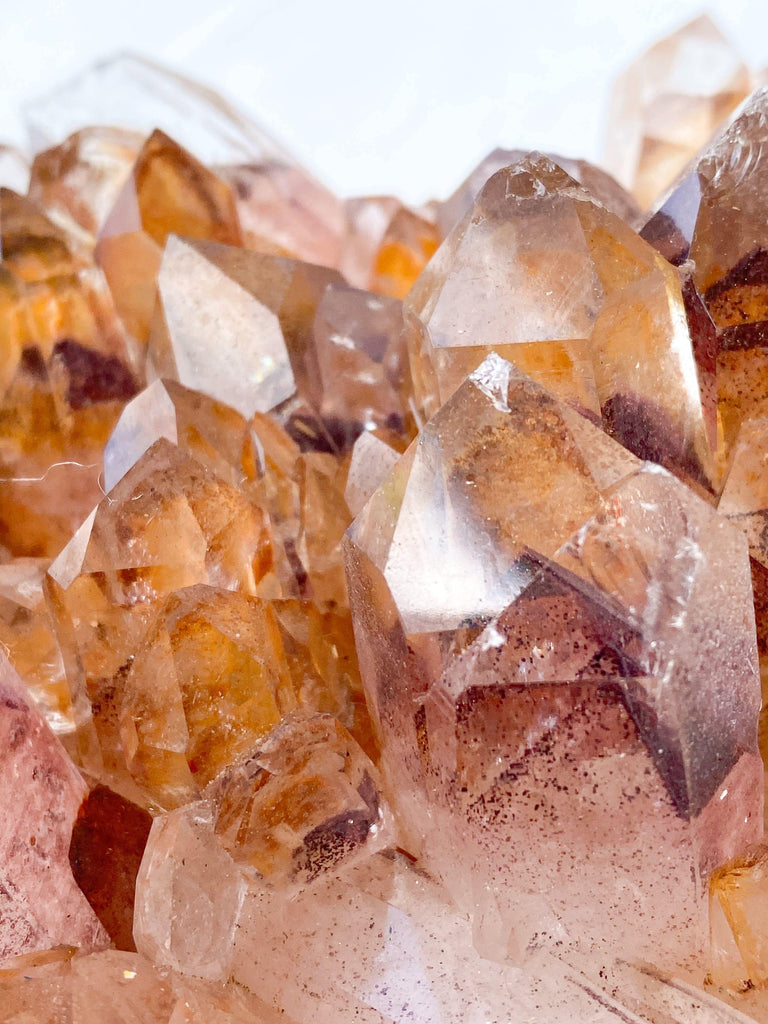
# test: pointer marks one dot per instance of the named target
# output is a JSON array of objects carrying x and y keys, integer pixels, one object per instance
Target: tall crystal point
[{"x": 557, "y": 643}]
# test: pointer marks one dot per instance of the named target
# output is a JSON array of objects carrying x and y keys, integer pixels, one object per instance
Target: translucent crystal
[
  {"x": 66, "y": 370},
  {"x": 293, "y": 332},
  {"x": 280, "y": 204},
  {"x": 387, "y": 245},
  {"x": 667, "y": 104},
  {"x": 188, "y": 896},
  {"x": 140, "y": 96},
  {"x": 168, "y": 190},
  {"x": 597, "y": 182},
  {"x": 307, "y": 801},
  {"x": 371, "y": 462},
  {"x": 716, "y": 219},
  {"x": 78, "y": 181},
  {"x": 27, "y": 636},
  {"x": 168, "y": 524},
  {"x": 543, "y": 275},
  {"x": 558, "y": 651},
  {"x": 114, "y": 987}
]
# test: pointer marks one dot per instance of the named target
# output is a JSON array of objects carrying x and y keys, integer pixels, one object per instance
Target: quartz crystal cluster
[{"x": 384, "y": 591}]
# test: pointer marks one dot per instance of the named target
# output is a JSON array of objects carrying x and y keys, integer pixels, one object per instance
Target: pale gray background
[{"x": 399, "y": 96}]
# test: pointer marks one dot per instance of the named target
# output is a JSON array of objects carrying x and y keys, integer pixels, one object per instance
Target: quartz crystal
[
  {"x": 168, "y": 524},
  {"x": 135, "y": 94},
  {"x": 544, "y": 275},
  {"x": 291, "y": 332},
  {"x": 668, "y": 103},
  {"x": 29, "y": 641},
  {"x": 596, "y": 181},
  {"x": 188, "y": 895},
  {"x": 79, "y": 180},
  {"x": 279, "y": 204},
  {"x": 114, "y": 987},
  {"x": 307, "y": 800},
  {"x": 66, "y": 369},
  {"x": 558, "y": 648},
  {"x": 168, "y": 190},
  {"x": 387, "y": 245}
]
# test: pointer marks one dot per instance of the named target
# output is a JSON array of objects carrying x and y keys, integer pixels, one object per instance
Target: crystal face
[{"x": 383, "y": 589}]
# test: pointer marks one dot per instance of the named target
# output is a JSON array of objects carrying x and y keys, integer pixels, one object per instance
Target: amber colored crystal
[
  {"x": 557, "y": 645},
  {"x": 715, "y": 218},
  {"x": 108, "y": 840},
  {"x": 42, "y": 792},
  {"x": 545, "y": 276},
  {"x": 168, "y": 524},
  {"x": 668, "y": 103},
  {"x": 206, "y": 684},
  {"x": 66, "y": 369},
  {"x": 29, "y": 641},
  {"x": 168, "y": 190},
  {"x": 78, "y": 181},
  {"x": 738, "y": 893},
  {"x": 307, "y": 801},
  {"x": 387, "y": 245}
]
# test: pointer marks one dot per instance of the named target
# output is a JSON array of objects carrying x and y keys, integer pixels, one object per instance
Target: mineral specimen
[
  {"x": 167, "y": 191},
  {"x": 505, "y": 766}
]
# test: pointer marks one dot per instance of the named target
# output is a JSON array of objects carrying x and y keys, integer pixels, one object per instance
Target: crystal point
[
  {"x": 574, "y": 298},
  {"x": 667, "y": 104},
  {"x": 525, "y": 597}
]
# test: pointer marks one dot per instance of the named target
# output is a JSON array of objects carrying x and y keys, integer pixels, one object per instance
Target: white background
[{"x": 398, "y": 96}]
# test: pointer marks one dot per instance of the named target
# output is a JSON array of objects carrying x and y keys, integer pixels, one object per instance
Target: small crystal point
[{"x": 188, "y": 895}]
